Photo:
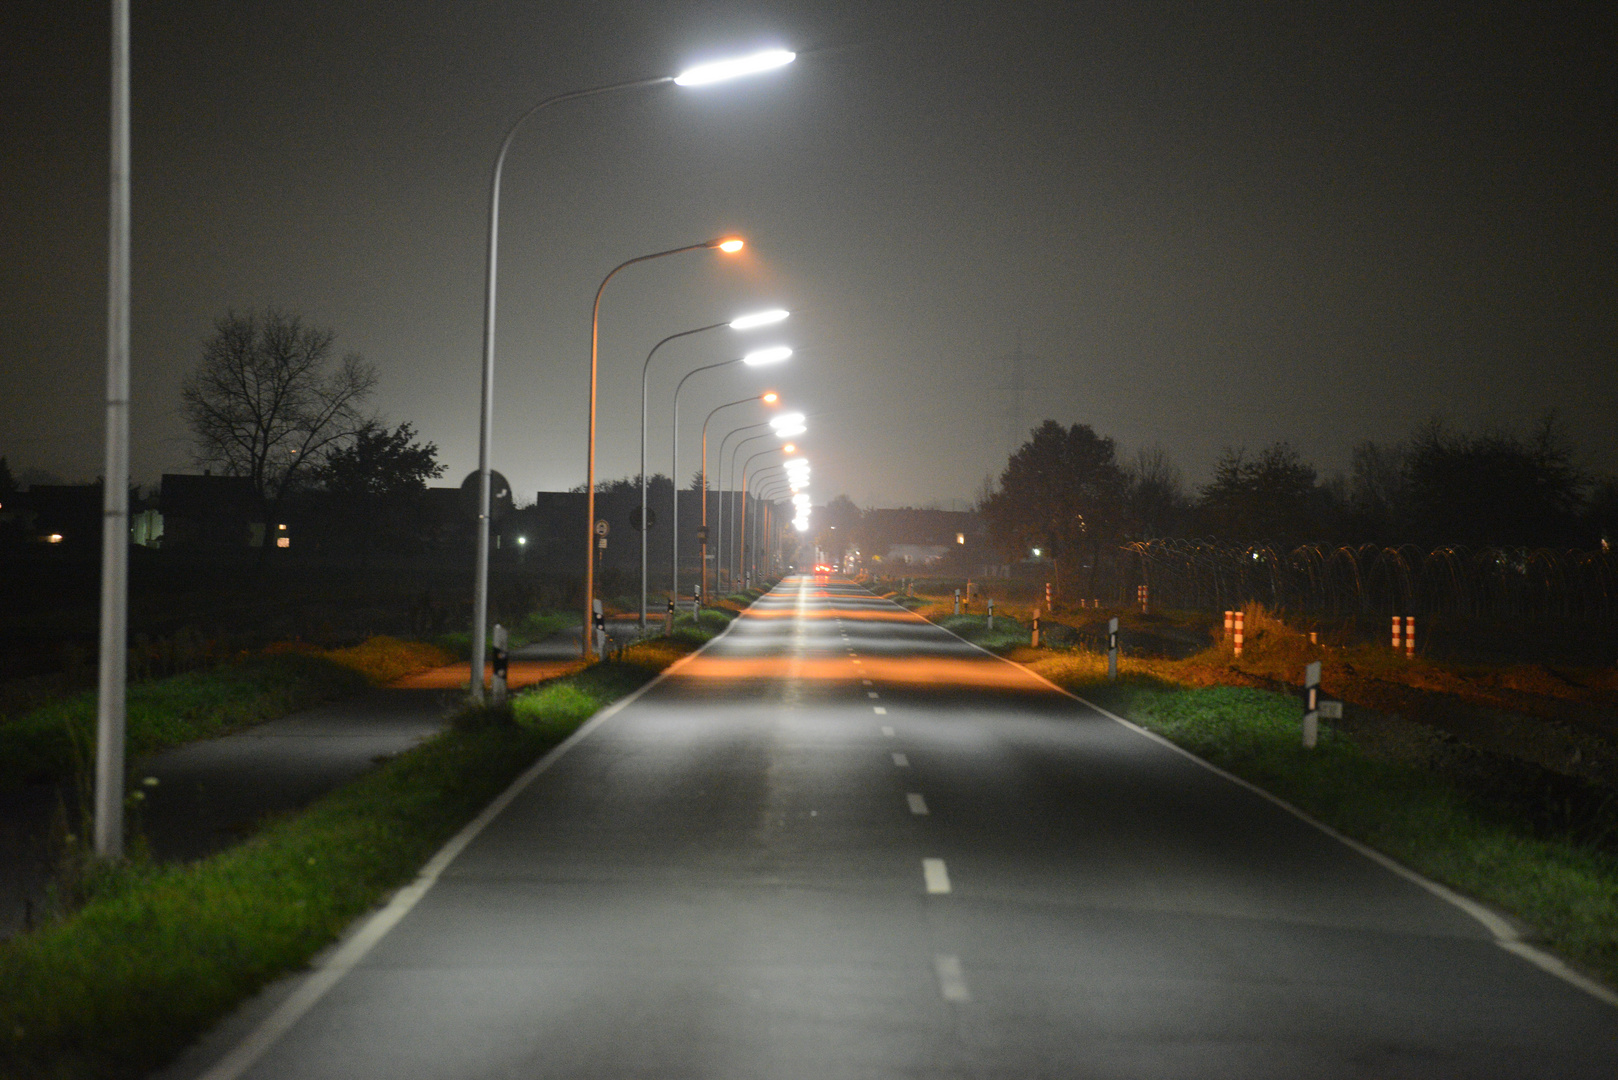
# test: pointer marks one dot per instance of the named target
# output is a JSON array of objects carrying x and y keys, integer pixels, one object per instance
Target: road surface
[{"x": 842, "y": 843}]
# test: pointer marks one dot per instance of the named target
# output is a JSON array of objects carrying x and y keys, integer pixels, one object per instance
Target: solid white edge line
[
  {"x": 253, "y": 1046},
  {"x": 1505, "y": 935}
]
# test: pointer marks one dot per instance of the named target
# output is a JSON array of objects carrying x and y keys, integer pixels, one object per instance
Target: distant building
[
  {"x": 908, "y": 537},
  {"x": 209, "y": 512},
  {"x": 68, "y": 515}
]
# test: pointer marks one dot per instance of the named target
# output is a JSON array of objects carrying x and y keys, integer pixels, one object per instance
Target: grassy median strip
[
  {"x": 1565, "y": 887},
  {"x": 163, "y": 951}
]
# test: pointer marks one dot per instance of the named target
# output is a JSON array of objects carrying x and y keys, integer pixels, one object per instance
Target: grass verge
[
  {"x": 160, "y": 952},
  {"x": 53, "y": 743},
  {"x": 1499, "y": 852}
]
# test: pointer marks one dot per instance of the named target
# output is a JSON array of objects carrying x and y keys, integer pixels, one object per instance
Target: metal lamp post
[
  {"x": 702, "y": 75},
  {"x": 723, "y": 498},
  {"x": 759, "y": 358},
  {"x": 728, "y": 245},
  {"x": 734, "y": 562},
  {"x": 742, "y": 558},
  {"x": 743, "y": 322},
  {"x": 769, "y": 398}
]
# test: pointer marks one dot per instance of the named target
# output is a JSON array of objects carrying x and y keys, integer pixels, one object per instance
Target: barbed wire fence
[{"x": 1339, "y": 581}]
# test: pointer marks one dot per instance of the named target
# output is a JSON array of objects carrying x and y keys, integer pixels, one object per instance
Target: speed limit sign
[{"x": 601, "y": 527}]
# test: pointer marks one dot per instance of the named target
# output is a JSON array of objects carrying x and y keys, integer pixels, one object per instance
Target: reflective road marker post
[
  {"x": 500, "y": 638},
  {"x": 1112, "y": 648},
  {"x": 1311, "y": 703}
]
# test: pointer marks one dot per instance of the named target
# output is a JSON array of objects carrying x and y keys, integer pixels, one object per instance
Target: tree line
[
  {"x": 270, "y": 402},
  {"x": 1066, "y": 492}
]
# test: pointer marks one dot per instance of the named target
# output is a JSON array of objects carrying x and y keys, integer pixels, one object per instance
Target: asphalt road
[{"x": 842, "y": 843}]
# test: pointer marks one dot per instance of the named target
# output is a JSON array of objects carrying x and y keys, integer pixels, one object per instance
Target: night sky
[{"x": 1207, "y": 225}]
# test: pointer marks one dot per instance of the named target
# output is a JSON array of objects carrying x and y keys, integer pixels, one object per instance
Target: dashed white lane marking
[
  {"x": 901, "y": 761},
  {"x": 867, "y": 682},
  {"x": 936, "y": 876},
  {"x": 879, "y": 710},
  {"x": 872, "y": 694},
  {"x": 918, "y": 805},
  {"x": 856, "y": 661},
  {"x": 951, "y": 979},
  {"x": 888, "y": 732}
]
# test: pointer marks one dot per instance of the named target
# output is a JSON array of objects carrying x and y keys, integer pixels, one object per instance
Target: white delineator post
[
  {"x": 991, "y": 613},
  {"x": 1311, "y": 703},
  {"x": 1112, "y": 648},
  {"x": 1034, "y": 638},
  {"x": 957, "y": 601},
  {"x": 497, "y": 681}
]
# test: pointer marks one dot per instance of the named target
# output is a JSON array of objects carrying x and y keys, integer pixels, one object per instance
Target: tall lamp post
[
  {"x": 761, "y": 357},
  {"x": 724, "y": 499},
  {"x": 743, "y": 322},
  {"x": 769, "y": 398},
  {"x": 785, "y": 426},
  {"x": 787, "y": 449},
  {"x": 728, "y": 245},
  {"x": 698, "y": 76}
]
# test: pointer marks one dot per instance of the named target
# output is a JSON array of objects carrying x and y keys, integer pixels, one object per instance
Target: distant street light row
[{"x": 702, "y": 75}]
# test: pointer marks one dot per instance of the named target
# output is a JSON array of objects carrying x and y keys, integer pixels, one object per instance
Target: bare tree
[{"x": 263, "y": 404}]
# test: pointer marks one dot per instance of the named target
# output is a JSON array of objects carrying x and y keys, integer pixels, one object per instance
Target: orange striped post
[
  {"x": 1238, "y": 635},
  {"x": 1230, "y": 617},
  {"x": 1397, "y": 626},
  {"x": 1410, "y": 637}
]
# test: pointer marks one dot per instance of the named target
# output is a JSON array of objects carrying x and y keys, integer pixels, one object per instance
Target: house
[{"x": 210, "y": 512}]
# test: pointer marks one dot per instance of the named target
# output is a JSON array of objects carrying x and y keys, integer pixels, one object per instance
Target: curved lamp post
[
  {"x": 735, "y": 561},
  {"x": 723, "y": 556},
  {"x": 787, "y": 449},
  {"x": 701, "y": 75},
  {"x": 769, "y": 398},
  {"x": 759, "y": 358},
  {"x": 729, "y": 245},
  {"x": 743, "y": 322}
]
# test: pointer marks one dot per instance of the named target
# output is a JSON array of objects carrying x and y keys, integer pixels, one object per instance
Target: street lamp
[
  {"x": 741, "y": 322},
  {"x": 729, "y": 245},
  {"x": 701, "y": 75},
  {"x": 724, "y": 498},
  {"x": 735, "y": 526},
  {"x": 787, "y": 449},
  {"x": 758, "y": 358},
  {"x": 768, "y": 398}
]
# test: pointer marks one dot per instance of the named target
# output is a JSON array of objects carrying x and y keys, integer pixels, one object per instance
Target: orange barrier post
[{"x": 1238, "y": 633}]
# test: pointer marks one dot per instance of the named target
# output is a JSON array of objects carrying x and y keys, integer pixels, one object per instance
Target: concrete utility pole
[{"x": 112, "y": 683}]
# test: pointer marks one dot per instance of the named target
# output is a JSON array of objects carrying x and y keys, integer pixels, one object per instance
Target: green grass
[
  {"x": 535, "y": 626},
  {"x": 1007, "y": 633},
  {"x": 159, "y": 953},
  {"x": 694, "y": 630},
  {"x": 1566, "y": 890},
  {"x": 51, "y": 743}
]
